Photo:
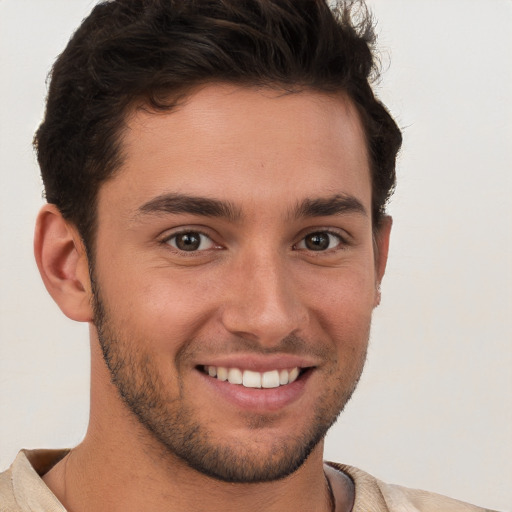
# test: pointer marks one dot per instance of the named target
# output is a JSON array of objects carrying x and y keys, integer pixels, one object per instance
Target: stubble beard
[{"x": 171, "y": 421}]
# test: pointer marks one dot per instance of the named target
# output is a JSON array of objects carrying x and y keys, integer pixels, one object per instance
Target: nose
[{"x": 262, "y": 301}]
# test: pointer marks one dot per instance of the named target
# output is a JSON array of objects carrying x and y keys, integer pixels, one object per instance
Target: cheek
[
  {"x": 341, "y": 303},
  {"x": 341, "y": 292},
  {"x": 159, "y": 306}
]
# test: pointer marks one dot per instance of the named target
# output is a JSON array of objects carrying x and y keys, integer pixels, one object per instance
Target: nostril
[{"x": 268, "y": 326}]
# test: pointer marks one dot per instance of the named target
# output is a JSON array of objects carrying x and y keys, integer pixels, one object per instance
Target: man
[{"x": 216, "y": 176}]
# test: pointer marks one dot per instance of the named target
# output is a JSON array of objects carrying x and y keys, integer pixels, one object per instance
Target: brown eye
[
  {"x": 190, "y": 241},
  {"x": 319, "y": 241}
]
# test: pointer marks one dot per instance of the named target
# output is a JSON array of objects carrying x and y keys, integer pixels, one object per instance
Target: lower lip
[{"x": 258, "y": 399}]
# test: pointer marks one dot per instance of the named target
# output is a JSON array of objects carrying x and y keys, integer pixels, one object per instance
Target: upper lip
[{"x": 259, "y": 363}]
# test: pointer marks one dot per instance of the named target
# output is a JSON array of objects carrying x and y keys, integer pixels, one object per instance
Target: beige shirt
[{"x": 23, "y": 490}]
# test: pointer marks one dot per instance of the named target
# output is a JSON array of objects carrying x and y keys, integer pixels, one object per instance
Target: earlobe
[
  {"x": 62, "y": 262},
  {"x": 381, "y": 248}
]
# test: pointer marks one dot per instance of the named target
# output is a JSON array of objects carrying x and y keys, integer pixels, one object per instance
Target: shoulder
[
  {"x": 373, "y": 494},
  {"x": 7, "y": 499},
  {"x": 21, "y": 487},
  {"x": 423, "y": 501}
]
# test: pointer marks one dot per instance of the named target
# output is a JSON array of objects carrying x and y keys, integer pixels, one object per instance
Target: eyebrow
[
  {"x": 179, "y": 203},
  {"x": 325, "y": 206}
]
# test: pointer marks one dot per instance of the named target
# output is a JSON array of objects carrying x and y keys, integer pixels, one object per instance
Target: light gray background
[{"x": 434, "y": 407}]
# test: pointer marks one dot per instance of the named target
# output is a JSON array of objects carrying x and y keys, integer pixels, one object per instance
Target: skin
[{"x": 254, "y": 295}]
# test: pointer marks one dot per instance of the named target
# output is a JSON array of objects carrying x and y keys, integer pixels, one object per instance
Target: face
[{"x": 235, "y": 275}]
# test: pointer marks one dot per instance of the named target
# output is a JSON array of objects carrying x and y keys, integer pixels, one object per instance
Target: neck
[
  {"x": 120, "y": 466},
  {"x": 111, "y": 478}
]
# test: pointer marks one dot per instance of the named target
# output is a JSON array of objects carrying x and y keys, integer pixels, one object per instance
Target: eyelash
[
  {"x": 342, "y": 241},
  {"x": 167, "y": 240}
]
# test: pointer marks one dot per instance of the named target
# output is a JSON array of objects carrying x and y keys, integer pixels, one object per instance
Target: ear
[
  {"x": 62, "y": 262},
  {"x": 381, "y": 249}
]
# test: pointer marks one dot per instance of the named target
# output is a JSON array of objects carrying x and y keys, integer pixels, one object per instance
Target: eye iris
[
  {"x": 188, "y": 241},
  {"x": 317, "y": 241}
]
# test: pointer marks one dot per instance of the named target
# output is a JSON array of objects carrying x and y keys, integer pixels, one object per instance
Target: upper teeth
[{"x": 251, "y": 379}]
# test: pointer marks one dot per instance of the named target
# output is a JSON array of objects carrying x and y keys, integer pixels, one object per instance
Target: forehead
[{"x": 245, "y": 144}]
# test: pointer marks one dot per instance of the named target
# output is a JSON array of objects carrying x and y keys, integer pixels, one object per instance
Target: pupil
[
  {"x": 188, "y": 241},
  {"x": 317, "y": 241}
]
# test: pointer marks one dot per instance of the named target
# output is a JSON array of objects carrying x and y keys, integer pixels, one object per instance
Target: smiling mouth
[{"x": 252, "y": 379}]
